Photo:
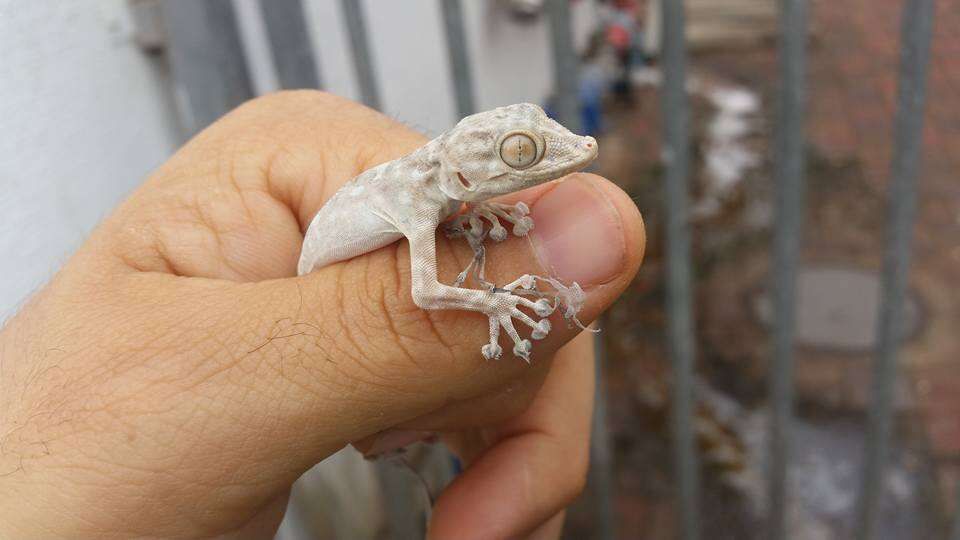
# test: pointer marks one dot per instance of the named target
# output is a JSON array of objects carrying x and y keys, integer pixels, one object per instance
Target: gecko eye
[{"x": 518, "y": 151}]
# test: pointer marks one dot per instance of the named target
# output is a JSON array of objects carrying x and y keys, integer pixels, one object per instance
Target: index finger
[{"x": 538, "y": 464}]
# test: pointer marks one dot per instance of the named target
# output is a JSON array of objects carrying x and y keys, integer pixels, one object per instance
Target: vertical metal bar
[
  {"x": 565, "y": 64},
  {"x": 601, "y": 455},
  {"x": 360, "y": 46},
  {"x": 789, "y": 201},
  {"x": 955, "y": 532},
  {"x": 209, "y": 71},
  {"x": 676, "y": 156},
  {"x": 459, "y": 55},
  {"x": 404, "y": 517},
  {"x": 916, "y": 32},
  {"x": 290, "y": 43}
]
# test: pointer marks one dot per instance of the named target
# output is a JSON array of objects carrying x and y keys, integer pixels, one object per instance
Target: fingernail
[
  {"x": 577, "y": 233},
  {"x": 395, "y": 439}
]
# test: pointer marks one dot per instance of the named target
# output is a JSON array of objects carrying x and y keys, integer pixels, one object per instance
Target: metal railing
[
  {"x": 789, "y": 179},
  {"x": 290, "y": 45},
  {"x": 915, "y": 37},
  {"x": 360, "y": 47},
  {"x": 680, "y": 335},
  {"x": 296, "y": 68},
  {"x": 460, "y": 75}
]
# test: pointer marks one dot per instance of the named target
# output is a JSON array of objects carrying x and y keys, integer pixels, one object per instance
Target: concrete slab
[{"x": 837, "y": 308}]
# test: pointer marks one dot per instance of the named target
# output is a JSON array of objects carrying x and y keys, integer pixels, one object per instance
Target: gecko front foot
[
  {"x": 469, "y": 225},
  {"x": 522, "y": 223},
  {"x": 515, "y": 214},
  {"x": 506, "y": 308}
]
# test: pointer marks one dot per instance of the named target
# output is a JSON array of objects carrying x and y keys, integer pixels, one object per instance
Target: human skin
[{"x": 174, "y": 378}]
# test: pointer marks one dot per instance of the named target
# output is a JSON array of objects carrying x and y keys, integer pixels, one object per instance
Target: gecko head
[{"x": 509, "y": 149}]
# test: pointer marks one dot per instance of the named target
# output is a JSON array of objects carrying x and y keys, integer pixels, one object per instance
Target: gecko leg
[
  {"x": 471, "y": 228},
  {"x": 500, "y": 306}
]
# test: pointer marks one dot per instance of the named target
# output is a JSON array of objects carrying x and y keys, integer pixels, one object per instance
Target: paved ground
[{"x": 854, "y": 54}]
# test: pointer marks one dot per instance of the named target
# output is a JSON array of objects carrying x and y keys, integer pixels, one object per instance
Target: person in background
[
  {"x": 594, "y": 81},
  {"x": 623, "y": 35}
]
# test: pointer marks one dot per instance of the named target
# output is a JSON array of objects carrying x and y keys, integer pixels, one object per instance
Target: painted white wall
[{"x": 84, "y": 120}]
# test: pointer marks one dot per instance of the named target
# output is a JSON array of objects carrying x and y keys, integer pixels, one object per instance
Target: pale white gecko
[{"x": 485, "y": 155}]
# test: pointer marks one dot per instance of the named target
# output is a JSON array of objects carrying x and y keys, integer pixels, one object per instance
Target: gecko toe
[
  {"x": 523, "y": 349},
  {"x": 543, "y": 308},
  {"x": 542, "y": 329},
  {"x": 491, "y": 351},
  {"x": 523, "y": 226}
]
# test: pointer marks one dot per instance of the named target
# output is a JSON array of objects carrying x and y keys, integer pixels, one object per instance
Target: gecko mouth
[
  {"x": 566, "y": 167},
  {"x": 464, "y": 182}
]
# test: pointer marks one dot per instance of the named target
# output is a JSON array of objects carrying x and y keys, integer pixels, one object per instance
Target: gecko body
[{"x": 485, "y": 155}]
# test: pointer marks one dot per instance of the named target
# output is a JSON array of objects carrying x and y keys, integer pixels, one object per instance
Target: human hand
[{"x": 174, "y": 378}]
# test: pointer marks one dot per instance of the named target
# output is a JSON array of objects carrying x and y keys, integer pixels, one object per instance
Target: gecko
[{"x": 483, "y": 156}]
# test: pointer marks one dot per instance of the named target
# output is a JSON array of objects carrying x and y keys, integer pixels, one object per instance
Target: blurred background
[{"x": 786, "y": 362}]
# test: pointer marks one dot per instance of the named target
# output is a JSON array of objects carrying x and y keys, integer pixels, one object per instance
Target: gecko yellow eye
[{"x": 518, "y": 151}]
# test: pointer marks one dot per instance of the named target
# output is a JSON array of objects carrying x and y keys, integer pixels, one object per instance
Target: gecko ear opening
[{"x": 467, "y": 185}]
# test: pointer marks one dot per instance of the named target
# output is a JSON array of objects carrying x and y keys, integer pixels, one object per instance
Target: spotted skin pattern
[{"x": 485, "y": 155}]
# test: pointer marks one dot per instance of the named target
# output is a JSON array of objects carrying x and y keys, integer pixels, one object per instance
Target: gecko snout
[{"x": 589, "y": 145}]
